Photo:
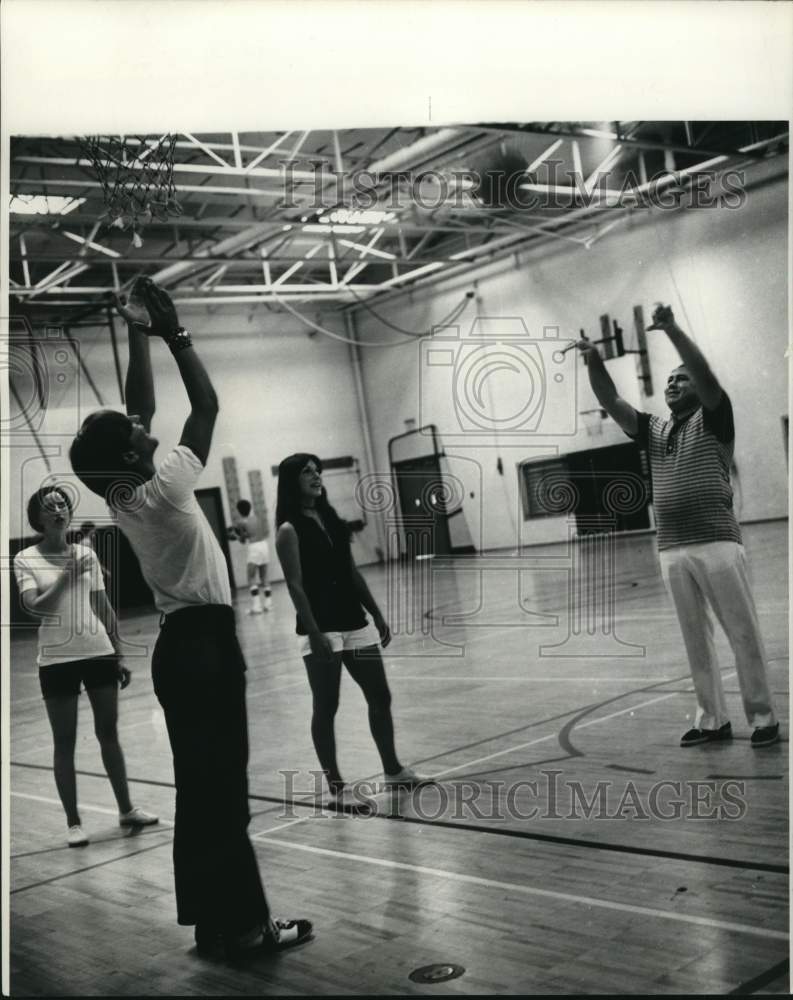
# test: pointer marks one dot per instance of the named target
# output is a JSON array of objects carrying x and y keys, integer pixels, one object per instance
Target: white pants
[{"x": 716, "y": 572}]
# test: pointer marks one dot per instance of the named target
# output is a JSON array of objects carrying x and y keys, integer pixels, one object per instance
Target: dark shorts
[{"x": 61, "y": 680}]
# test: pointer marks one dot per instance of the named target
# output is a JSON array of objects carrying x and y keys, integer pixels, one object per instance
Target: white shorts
[
  {"x": 258, "y": 553},
  {"x": 357, "y": 639}
]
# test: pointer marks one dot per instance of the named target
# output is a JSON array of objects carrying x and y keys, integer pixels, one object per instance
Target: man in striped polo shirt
[{"x": 699, "y": 540}]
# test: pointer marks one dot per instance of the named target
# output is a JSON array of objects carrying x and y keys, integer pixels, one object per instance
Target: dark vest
[{"x": 327, "y": 578}]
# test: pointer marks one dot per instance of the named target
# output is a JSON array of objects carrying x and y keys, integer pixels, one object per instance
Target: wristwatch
[{"x": 179, "y": 340}]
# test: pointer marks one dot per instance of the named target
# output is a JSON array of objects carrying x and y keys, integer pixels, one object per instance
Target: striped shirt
[{"x": 690, "y": 468}]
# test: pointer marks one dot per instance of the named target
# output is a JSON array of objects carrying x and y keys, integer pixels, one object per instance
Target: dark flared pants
[{"x": 198, "y": 672}]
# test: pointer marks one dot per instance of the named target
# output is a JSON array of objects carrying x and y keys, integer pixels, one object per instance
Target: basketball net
[{"x": 136, "y": 174}]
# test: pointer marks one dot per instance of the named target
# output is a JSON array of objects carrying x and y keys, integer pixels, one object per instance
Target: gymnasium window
[
  {"x": 577, "y": 485},
  {"x": 537, "y": 479}
]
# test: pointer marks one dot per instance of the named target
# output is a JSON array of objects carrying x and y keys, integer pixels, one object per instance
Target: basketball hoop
[
  {"x": 136, "y": 174},
  {"x": 593, "y": 421}
]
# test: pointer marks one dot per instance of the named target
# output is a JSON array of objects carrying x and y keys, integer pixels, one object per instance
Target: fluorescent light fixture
[
  {"x": 357, "y": 216},
  {"x": 43, "y": 204},
  {"x": 324, "y": 228},
  {"x": 598, "y": 133}
]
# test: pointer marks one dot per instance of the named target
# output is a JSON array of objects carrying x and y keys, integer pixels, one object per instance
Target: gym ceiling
[{"x": 342, "y": 217}]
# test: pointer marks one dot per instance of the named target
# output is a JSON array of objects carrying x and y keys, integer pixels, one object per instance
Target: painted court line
[
  {"x": 281, "y": 687},
  {"x": 83, "y": 807},
  {"x": 552, "y": 736},
  {"x": 283, "y": 826},
  {"x": 582, "y": 725},
  {"x": 393, "y": 676},
  {"x": 644, "y": 911}
]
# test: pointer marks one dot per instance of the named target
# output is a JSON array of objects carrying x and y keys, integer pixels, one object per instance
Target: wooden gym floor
[{"x": 622, "y": 900}]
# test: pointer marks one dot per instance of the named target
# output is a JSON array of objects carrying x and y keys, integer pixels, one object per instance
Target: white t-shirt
[
  {"x": 179, "y": 555},
  {"x": 69, "y": 629}
]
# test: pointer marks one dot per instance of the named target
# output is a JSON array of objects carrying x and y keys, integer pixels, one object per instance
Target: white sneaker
[
  {"x": 404, "y": 779},
  {"x": 76, "y": 837},
  {"x": 274, "y": 936},
  {"x": 286, "y": 933},
  {"x": 268, "y": 602},
  {"x": 137, "y": 817}
]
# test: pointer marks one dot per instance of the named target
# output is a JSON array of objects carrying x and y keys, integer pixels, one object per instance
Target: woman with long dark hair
[
  {"x": 331, "y": 599},
  {"x": 78, "y": 645}
]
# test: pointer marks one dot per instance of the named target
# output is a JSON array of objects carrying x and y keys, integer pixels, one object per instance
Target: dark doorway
[{"x": 422, "y": 502}]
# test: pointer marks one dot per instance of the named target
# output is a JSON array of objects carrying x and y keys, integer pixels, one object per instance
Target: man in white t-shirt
[
  {"x": 198, "y": 668},
  {"x": 251, "y": 532}
]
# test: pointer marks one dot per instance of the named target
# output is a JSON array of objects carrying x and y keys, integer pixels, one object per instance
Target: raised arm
[
  {"x": 139, "y": 383},
  {"x": 705, "y": 382},
  {"x": 200, "y": 424},
  {"x": 605, "y": 390}
]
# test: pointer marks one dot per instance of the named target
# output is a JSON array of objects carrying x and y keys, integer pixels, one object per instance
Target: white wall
[
  {"x": 280, "y": 391},
  {"x": 724, "y": 272}
]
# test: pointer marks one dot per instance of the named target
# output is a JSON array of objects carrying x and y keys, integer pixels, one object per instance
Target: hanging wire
[
  {"x": 689, "y": 327},
  {"x": 453, "y": 315},
  {"x": 456, "y": 313}
]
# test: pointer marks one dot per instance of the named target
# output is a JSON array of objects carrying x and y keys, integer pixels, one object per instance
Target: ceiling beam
[
  {"x": 251, "y": 171},
  {"x": 254, "y": 263},
  {"x": 58, "y": 182},
  {"x": 294, "y": 267},
  {"x": 233, "y": 293},
  {"x": 654, "y": 183},
  {"x": 533, "y": 129},
  {"x": 213, "y": 169}
]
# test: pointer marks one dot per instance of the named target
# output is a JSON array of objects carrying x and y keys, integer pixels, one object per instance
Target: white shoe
[
  {"x": 286, "y": 933},
  {"x": 268, "y": 603},
  {"x": 76, "y": 837},
  {"x": 404, "y": 779},
  {"x": 137, "y": 817},
  {"x": 274, "y": 936}
]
